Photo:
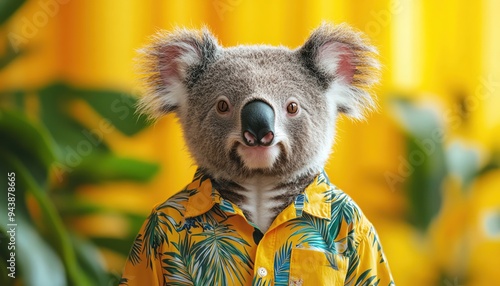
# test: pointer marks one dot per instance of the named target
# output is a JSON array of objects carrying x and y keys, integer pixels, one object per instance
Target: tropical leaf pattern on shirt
[
  {"x": 312, "y": 231},
  {"x": 159, "y": 222},
  {"x": 154, "y": 236},
  {"x": 185, "y": 242},
  {"x": 366, "y": 280},
  {"x": 219, "y": 250},
  {"x": 282, "y": 264},
  {"x": 180, "y": 268},
  {"x": 135, "y": 251}
]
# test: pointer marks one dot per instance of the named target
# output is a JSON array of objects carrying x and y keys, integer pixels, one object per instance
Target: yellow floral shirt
[{"x": 198, "y": 238}]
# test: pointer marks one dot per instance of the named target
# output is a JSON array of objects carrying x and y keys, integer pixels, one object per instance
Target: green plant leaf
[
  {"x": 25, "y": 182},
  {"x": 13, "y": 100},
  {"x": 28, "y": 137},
  {"x": 463, "y": 162},
  {"x": 71, "y": 206},
  {"x": 119, "y": 245},
  {"x": 424, "y": 167},
  {"x": 8, "y": 7},
  {"x": 29, "y": 143},
  {"x": 30, "y": 150},
  {"x": 100, "y": 167},
  {"x": 39, "y": 263},
  {"x": 116, "y": 107},
  {"x": 91, "y": 261},
  {"x": 74, "y": 140},
  {"x": 420, "y": 121},
  {"x": 9, "y": 56},
  {"x": 493, "y": 163},
  {"x": 25, "y": 144}
]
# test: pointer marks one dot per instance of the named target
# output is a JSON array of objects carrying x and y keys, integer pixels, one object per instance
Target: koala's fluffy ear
[
  {"x": 344, "y": 60},
  {"x": 169, "y": 65}
]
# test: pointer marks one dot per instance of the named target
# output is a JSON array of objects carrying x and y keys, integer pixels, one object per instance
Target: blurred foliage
[
  {"x": 52, "y": 155},
  {"x": 8, "y": 7},
  {"x": 433, "y": 160},
  {"x": 425, "y": 166}
]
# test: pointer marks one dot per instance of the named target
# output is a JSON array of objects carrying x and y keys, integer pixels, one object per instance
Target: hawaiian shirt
[{"x": 198, "y": 238}]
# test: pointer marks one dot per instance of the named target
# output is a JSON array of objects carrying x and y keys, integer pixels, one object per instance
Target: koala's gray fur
[{"x": 187, "y": 72}]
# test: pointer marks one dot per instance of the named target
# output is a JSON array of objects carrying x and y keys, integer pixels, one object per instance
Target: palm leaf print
[
  {"x": 214, "y": 216},
  {"x": 220, "y": 251},
  {"x": 348, "y": 243},
  {"x": 226, "y": 206},
  {"x": 331, "y": 260},
  {"x": 135, "y": 256},
  {"x": 351, "y": 270},
  {"x": 201, "y": 176},
  {"x": 329, "y": 194},
  {"x": 322, "y": 178},
  {"x": 343, "y": 208},
  {"x": 376, "y": 242},
  {"x": 282, "y": 264},
  {"x": 205, "y": 221},
  {"x": 178, "y": 265},
  {"x": 299, "y": 204},
  {"x": 154, "y": 235},
  {"x": 313, "y": 231},
  {"x": 365, "y": 280},
  {"x": 176, "y": 201},
  {"x": 260, "y": 282}
]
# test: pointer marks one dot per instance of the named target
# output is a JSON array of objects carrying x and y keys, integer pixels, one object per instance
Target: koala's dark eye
[
  {"x": 222, "y": 106},
  {"x": 292, "y": 108}
]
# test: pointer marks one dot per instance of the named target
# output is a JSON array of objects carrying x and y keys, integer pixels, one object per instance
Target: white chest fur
[{"x": 263, "y": 197}]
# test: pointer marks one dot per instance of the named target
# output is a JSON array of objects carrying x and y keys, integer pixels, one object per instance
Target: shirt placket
[
  {"x": 266, "y": 249},
  {"x": 264, "y": 257}
]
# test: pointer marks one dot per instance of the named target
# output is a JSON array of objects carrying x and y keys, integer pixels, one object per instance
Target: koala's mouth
[{"x": 258, "y": 157}]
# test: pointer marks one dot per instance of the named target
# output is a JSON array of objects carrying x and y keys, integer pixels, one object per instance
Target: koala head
[{"x": 260, "y": 110}]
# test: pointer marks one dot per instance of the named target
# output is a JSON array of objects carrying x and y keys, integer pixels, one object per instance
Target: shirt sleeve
[
  {"x": 139, "y": 269},
  {"x": 367, "y": 264}
]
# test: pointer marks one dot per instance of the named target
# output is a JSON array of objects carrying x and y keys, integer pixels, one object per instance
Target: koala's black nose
[{"x": 257, "y": 123}]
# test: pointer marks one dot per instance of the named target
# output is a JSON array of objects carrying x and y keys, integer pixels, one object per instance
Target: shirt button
[{"x": 262, "y": 272}]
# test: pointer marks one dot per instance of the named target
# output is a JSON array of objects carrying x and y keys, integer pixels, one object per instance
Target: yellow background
[{"x": 431, "y": 51}]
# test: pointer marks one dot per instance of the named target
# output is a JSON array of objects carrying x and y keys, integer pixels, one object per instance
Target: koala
[{"x": 259, "y": 122}]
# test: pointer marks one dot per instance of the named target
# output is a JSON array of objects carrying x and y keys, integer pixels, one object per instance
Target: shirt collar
[{"x": 315, "y": 200}]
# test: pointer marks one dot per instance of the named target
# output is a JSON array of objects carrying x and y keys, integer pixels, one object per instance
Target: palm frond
[
  {"x": 343, "y": 208},
  {"x": 282, "y": 264},
  {"x": 260, "y": 282},
  {"x": 134, "y": 255},
  {"x": 323, "y": 178},
  {"x": 351, "y": 270},
  {"x": 330, "y": 257},
  {"x": 330, "y": 193},
  {"x": 365, "y": 280},
  {"x": 201, "y": 176},
  {"x": 176, "y": 201},
  {"x": 313, "y": 231},
  {"x": 226, "y": 206},
  {"x": 213, "y": 217},
  {"x": 299, "y": 204},
  {"x": 154, "y": 236},
  {"x": 220, "y": 250},
  {"x": 178, "y": 265}
]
